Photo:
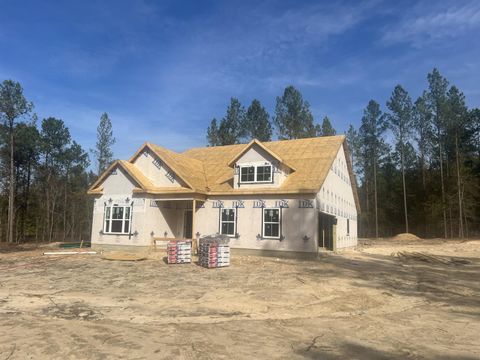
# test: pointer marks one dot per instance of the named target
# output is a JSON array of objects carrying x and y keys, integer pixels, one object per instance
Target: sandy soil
[{"x": 362, "y": 304}]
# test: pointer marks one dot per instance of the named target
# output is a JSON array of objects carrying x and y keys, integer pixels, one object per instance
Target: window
[
  {"x": 264, "y": 173},
  {"x": 227, "y": 222},
  {"x": 348, "y": 227},
  {"x": 247, "y": 174},
  {"x": 117, "y": 219},
  {"x": 271, "y": 223},
  {"x": 258, "y": 173}
]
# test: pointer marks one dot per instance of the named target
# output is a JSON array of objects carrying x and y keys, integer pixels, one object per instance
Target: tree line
[
  {"x": 292, "y": 120},
  {"x": 45, "y": 173},
  {"x": 417, "y": 163}
]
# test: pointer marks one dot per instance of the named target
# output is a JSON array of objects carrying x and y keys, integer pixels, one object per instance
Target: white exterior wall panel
[
  {"x": 116, "y": 190},
  {"x": 336, "y": 198},
  {"x": 298, "y": 224}
]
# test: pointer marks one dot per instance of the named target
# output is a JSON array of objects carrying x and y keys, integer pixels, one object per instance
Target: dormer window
[
  {"x": 256, "y": 174},
  {"x": 264, "y": 173},
  {"x": 247, "y": 174}
]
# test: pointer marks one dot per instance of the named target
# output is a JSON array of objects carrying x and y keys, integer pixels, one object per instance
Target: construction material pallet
[
  {"x": 214, "y": 252},
  {"x": 179, "y": 252}
]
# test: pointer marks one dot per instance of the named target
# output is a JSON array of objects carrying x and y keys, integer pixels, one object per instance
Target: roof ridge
[
  {"x": 182, "y": 154},
  {"x": 264, "y": 142},
  {"x": 307, "y": 138}
]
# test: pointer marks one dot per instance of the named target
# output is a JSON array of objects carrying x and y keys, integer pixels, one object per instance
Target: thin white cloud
[
  {"x": 164, "y": 76},
  {"x": 346, "y": 73},
  {"x": 425, "y": 24},
  {"x": 271, "y": 49}
]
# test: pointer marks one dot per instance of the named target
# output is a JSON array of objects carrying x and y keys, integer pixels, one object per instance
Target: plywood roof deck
[{"x": 208, "y": 170}]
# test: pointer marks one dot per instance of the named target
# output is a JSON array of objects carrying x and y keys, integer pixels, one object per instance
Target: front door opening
[{"x": 187, "y": 224}]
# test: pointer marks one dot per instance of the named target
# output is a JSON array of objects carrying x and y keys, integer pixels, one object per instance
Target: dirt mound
[{"x": 406, "y": 237}]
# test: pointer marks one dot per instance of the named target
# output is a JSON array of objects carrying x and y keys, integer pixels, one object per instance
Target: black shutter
[
  {"x": 130, "y": 222},
  {"x": 219, "y": 220},
  {"x": 236, "y": 216},
  {"x": 262, "y": 209},
  {"x": 280, "y": 225},
  {"x": 103, "y": 224}
]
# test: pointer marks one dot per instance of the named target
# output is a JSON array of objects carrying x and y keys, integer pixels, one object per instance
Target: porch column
[{"x": 194, "y": 237}]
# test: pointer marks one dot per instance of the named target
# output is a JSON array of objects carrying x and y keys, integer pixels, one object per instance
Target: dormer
[{"x": 255, "y": 166}]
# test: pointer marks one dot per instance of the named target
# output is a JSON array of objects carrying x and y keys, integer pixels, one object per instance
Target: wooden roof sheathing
[
  {"x": 188, "y": 169},
  {"x": 312, "y": 159},
  {"x": 208, "y": 170}
]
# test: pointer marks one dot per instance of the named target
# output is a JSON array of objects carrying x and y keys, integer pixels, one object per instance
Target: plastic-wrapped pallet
[
  {"x": 214, "y": 251},
  {"x": 179, "y": 252}
]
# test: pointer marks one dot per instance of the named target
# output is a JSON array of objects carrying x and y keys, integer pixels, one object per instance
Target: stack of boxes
[
  {"x": 179, "y": 252},
  {"x": 214, "y": 252}
]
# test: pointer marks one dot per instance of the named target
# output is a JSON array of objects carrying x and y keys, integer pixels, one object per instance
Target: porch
[{"x": 174, "y": 219}]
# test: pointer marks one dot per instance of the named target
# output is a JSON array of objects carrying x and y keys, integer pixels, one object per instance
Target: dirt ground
[{"x": 357, "y": 304}]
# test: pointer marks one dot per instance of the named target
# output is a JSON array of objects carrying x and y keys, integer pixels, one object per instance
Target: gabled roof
[
  {"x": 208, "y": 170},
  {"x": 189, "y": 170},
  {"x": 263, "y": 147},
  {"x": 142, "y": 181}
]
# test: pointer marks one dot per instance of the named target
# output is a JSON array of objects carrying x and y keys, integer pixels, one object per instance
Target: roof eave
[
  {"x": 262, "y": 192},
  {"x": 163, "y": 191}
]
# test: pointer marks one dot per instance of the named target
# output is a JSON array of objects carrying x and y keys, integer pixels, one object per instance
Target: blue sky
[{"x": 163, "y": 69}]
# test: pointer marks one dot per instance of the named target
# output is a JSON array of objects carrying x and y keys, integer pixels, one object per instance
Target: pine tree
[
  {"x": 26, "y": 157},
  {"x": 475, "y": 128},
  {"x": 293, "y": 118},
  {"x": 257, "y": 122},
  {"x": 422, "y": 126},
  {"x": 457, "y": 120},
  {"x": 231, "y": 129},
  {"x": 54, "y": 140},
  {"x": 105, "y": 140},
  {"x": 212, "y": 134},
  {"x": 400, "y": 121},
  {"x": 13, "y": 106},
  {"x": 74, "y": 159},
  {"x": 353, "y": 145},
  {"x": 437, "y": 97},
  {"x": 327, "y": 128},
  {"x": 423, "y": 136},
  {"x": 472, "y": 193},
  {"x": 371, "y": 131}
]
